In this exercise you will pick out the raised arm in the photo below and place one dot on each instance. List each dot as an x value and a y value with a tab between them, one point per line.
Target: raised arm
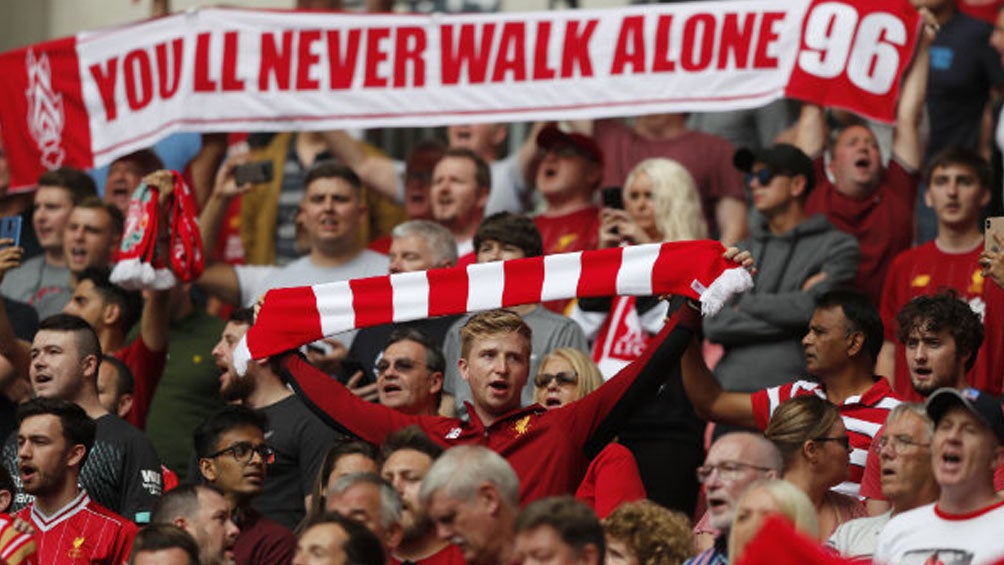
376	170
710	401
219	279
907	143
14	350
810	132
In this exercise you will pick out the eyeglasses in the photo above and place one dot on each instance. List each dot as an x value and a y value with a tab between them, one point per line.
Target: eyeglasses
727	470
901	443
242	452
542	380
402	365
844	441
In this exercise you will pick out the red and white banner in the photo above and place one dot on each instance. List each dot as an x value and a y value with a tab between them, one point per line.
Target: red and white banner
85	100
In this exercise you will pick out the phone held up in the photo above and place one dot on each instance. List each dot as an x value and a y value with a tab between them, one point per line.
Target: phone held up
994	225
10	228
613	197
254	173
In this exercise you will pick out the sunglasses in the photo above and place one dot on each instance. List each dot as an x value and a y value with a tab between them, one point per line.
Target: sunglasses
402	365
564	378
763	176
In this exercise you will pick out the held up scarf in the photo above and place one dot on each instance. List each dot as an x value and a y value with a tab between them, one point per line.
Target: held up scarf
291	317
139	266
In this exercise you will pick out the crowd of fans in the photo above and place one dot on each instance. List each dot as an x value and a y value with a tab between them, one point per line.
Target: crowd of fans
854	392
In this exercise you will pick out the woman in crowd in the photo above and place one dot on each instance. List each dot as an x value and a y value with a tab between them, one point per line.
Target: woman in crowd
566	375
766	498
810	434
343	458
661	203
644	533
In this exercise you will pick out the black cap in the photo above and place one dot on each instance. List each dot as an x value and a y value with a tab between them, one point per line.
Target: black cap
981	404
781	158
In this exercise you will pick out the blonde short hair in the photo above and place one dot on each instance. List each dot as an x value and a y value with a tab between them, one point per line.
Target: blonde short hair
589	374
493	322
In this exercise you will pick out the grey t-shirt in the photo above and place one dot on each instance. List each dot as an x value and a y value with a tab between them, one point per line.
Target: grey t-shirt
303	272
550	331
45	287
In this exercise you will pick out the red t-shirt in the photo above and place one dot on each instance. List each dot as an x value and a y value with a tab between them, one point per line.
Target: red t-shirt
567	233
863	417
707	157
611	480
882	224
147	368
81	532
926	270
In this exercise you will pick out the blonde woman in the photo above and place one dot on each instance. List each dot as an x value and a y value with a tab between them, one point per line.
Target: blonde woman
566	375
661	203
810	434
766	498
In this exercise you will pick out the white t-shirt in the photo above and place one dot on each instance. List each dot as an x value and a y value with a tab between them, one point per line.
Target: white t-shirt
858	538
927	535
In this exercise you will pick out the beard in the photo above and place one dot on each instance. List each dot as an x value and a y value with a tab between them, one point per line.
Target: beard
237	388
419	527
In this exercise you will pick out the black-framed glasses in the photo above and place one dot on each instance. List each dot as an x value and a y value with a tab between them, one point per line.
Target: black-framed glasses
844	441
727	470
242	452
542	380
901	443
401	365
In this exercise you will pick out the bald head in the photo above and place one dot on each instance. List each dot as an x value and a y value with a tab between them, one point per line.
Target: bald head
734	462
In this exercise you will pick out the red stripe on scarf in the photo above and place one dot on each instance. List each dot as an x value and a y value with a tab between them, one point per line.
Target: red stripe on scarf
599	272
373	301
291	319
448	290
523	281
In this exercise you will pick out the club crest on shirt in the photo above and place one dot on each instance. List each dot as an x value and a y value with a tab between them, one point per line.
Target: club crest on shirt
522	425
75	551
453	433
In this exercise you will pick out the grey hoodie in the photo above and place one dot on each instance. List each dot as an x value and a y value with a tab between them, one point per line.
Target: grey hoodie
762	329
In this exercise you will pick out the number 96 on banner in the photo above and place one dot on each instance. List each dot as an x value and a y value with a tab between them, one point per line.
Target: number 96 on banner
854	52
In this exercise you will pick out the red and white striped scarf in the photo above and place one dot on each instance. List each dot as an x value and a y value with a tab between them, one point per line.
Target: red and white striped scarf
291	317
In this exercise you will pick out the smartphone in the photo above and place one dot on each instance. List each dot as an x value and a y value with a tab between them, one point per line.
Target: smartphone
994	224
10	228
257	172
613	197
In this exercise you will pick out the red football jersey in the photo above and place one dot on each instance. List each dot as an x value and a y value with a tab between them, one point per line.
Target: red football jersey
81	532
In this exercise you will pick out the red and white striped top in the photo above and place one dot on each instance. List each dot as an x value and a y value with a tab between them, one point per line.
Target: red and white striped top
863	415
16	548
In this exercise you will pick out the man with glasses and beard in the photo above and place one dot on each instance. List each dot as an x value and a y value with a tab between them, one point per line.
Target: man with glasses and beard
233	458
297	436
